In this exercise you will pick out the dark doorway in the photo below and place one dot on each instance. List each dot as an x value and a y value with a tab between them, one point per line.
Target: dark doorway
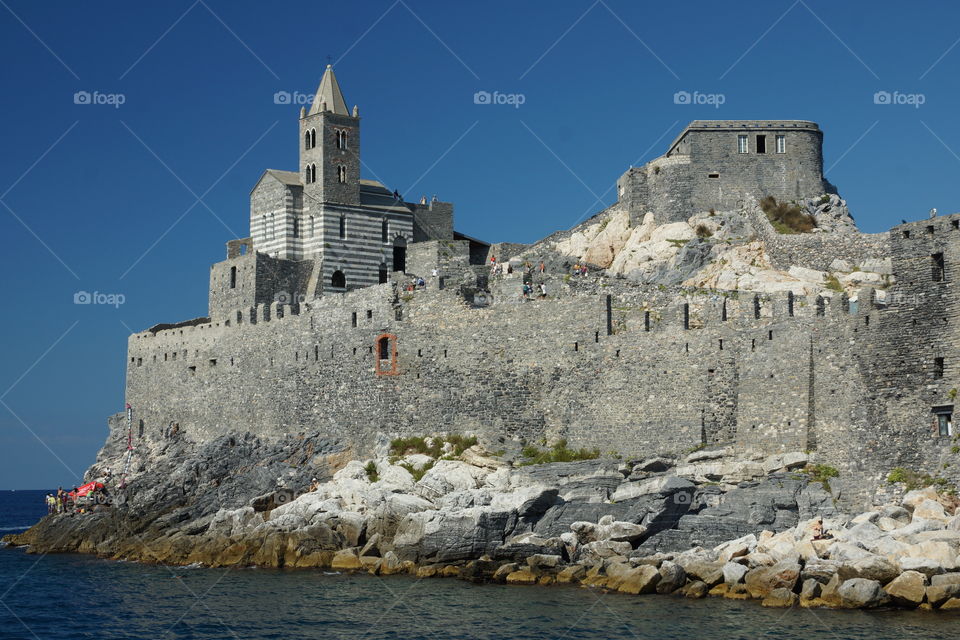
400	254
383	346
761	144
338	280
383	272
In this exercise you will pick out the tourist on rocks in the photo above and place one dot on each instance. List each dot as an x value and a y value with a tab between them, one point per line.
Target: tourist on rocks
434	273
543	267
51	503
543	291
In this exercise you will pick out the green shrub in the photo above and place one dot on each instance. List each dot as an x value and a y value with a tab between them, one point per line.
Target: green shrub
832	283
417	473
418	444
915	480
787	218
557	453
821	473
371	470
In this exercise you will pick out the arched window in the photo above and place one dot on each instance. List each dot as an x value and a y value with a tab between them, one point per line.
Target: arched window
313	138
306	139
306	175
344	134
383	231
383	348
343	227
338	280
342	174
313	173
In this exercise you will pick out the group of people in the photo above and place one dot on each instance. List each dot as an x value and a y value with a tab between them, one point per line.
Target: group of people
57	503
528	290
579	269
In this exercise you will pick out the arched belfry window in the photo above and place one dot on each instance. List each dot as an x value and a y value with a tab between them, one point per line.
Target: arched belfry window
385	352
313	173
338	280
313	138
306	139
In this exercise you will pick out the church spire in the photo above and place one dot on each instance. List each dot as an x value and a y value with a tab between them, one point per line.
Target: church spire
328	96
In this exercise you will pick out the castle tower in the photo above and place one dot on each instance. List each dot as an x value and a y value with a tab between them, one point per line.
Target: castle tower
330	147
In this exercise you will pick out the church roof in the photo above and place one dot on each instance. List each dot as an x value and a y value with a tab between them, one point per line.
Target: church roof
291	178
329	93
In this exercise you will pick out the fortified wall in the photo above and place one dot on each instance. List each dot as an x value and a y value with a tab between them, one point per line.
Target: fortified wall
629	369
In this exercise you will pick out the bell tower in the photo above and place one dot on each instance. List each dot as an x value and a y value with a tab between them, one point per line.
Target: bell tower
330	147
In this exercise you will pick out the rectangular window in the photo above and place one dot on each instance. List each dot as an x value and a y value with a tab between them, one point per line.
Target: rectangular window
761	144
944	417
781	144
233	277
939	267
742	145
938	367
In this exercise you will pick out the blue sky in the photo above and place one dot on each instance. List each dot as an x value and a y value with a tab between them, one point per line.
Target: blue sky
138	198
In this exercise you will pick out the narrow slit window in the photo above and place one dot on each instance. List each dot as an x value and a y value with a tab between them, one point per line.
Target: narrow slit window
939	267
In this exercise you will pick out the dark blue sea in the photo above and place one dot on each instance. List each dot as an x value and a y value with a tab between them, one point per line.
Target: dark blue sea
76	596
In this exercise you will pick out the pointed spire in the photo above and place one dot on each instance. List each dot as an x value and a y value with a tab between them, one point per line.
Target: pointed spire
328	95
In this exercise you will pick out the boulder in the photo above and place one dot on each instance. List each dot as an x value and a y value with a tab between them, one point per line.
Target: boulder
922	565
522	575
346	560
761	581
937	594
912	498
733	572
872	568
571	574
642	579
695	589
908	589
780	598
542	561
672	577
930	510
945	578
860	593
810	589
